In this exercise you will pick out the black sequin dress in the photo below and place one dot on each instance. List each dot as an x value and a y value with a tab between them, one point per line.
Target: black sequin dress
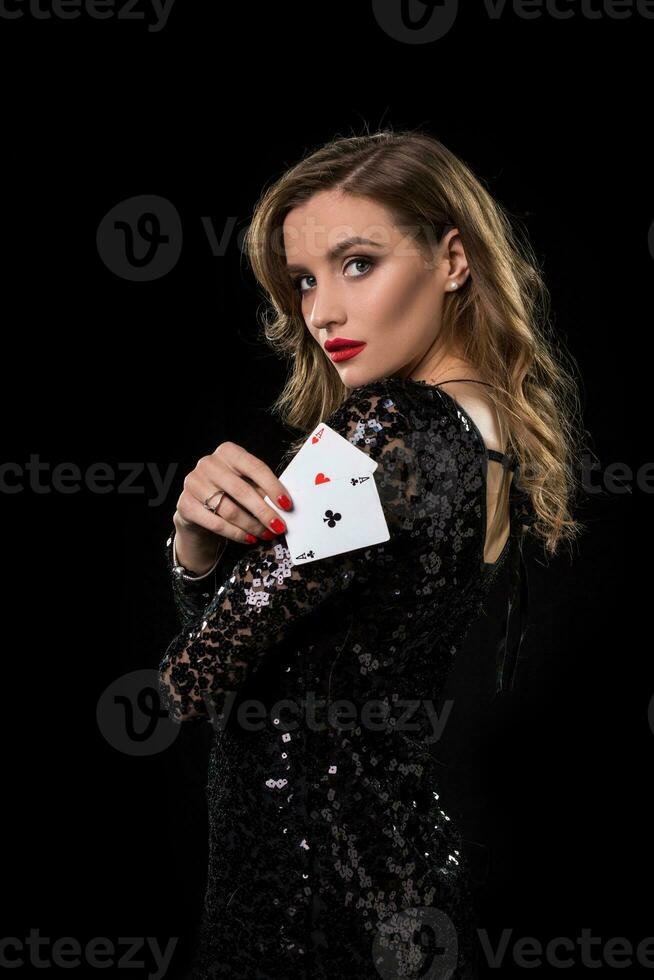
330	853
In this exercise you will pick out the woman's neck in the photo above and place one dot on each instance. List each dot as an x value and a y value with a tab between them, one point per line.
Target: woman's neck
443	369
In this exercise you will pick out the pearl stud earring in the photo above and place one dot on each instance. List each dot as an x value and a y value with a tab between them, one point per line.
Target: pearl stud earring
454	285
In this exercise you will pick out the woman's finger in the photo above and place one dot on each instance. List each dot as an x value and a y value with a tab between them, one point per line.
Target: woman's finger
229	521
235	470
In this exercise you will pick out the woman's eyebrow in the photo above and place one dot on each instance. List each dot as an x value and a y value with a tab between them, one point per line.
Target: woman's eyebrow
338	248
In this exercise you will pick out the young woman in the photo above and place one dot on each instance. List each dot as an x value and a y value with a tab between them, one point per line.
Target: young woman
332	854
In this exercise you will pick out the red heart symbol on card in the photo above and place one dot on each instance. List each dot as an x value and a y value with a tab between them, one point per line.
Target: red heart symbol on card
321	478
315	440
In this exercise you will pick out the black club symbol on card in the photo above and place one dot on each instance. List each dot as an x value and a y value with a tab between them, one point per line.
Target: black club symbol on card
331	518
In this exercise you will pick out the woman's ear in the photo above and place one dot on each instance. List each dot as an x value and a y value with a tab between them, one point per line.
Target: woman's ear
455	257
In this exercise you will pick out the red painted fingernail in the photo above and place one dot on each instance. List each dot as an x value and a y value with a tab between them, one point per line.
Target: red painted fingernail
278	526
284	502
250	538
267	535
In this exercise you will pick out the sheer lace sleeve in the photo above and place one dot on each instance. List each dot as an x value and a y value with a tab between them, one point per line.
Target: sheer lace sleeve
264	595
191	596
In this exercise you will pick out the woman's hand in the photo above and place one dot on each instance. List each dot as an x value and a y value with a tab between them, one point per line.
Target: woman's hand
242	513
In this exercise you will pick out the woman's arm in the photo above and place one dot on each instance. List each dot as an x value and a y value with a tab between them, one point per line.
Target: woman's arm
192	595
264	595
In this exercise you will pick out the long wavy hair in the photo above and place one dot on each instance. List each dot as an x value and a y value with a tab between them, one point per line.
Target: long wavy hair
499	319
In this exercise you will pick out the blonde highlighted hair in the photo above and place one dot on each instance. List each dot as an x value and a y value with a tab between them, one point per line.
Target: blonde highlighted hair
499	319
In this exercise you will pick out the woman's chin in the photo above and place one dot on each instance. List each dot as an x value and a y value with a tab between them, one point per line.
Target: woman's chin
356	378
355	375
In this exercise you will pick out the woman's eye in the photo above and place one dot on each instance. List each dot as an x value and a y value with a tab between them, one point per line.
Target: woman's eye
298	281
365	262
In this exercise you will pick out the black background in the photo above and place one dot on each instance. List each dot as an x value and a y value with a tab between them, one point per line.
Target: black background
555	116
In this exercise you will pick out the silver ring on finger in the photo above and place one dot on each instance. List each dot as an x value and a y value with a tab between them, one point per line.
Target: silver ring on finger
221	494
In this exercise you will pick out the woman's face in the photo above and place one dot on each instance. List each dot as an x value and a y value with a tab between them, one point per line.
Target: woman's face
388	296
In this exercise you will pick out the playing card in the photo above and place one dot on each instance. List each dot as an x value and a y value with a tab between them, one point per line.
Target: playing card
325	445
335	516
325	455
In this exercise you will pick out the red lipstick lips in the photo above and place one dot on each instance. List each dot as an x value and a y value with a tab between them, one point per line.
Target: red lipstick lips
341	342
342	349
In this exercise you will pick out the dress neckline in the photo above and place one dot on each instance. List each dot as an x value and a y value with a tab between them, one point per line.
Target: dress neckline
519	586
507	460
